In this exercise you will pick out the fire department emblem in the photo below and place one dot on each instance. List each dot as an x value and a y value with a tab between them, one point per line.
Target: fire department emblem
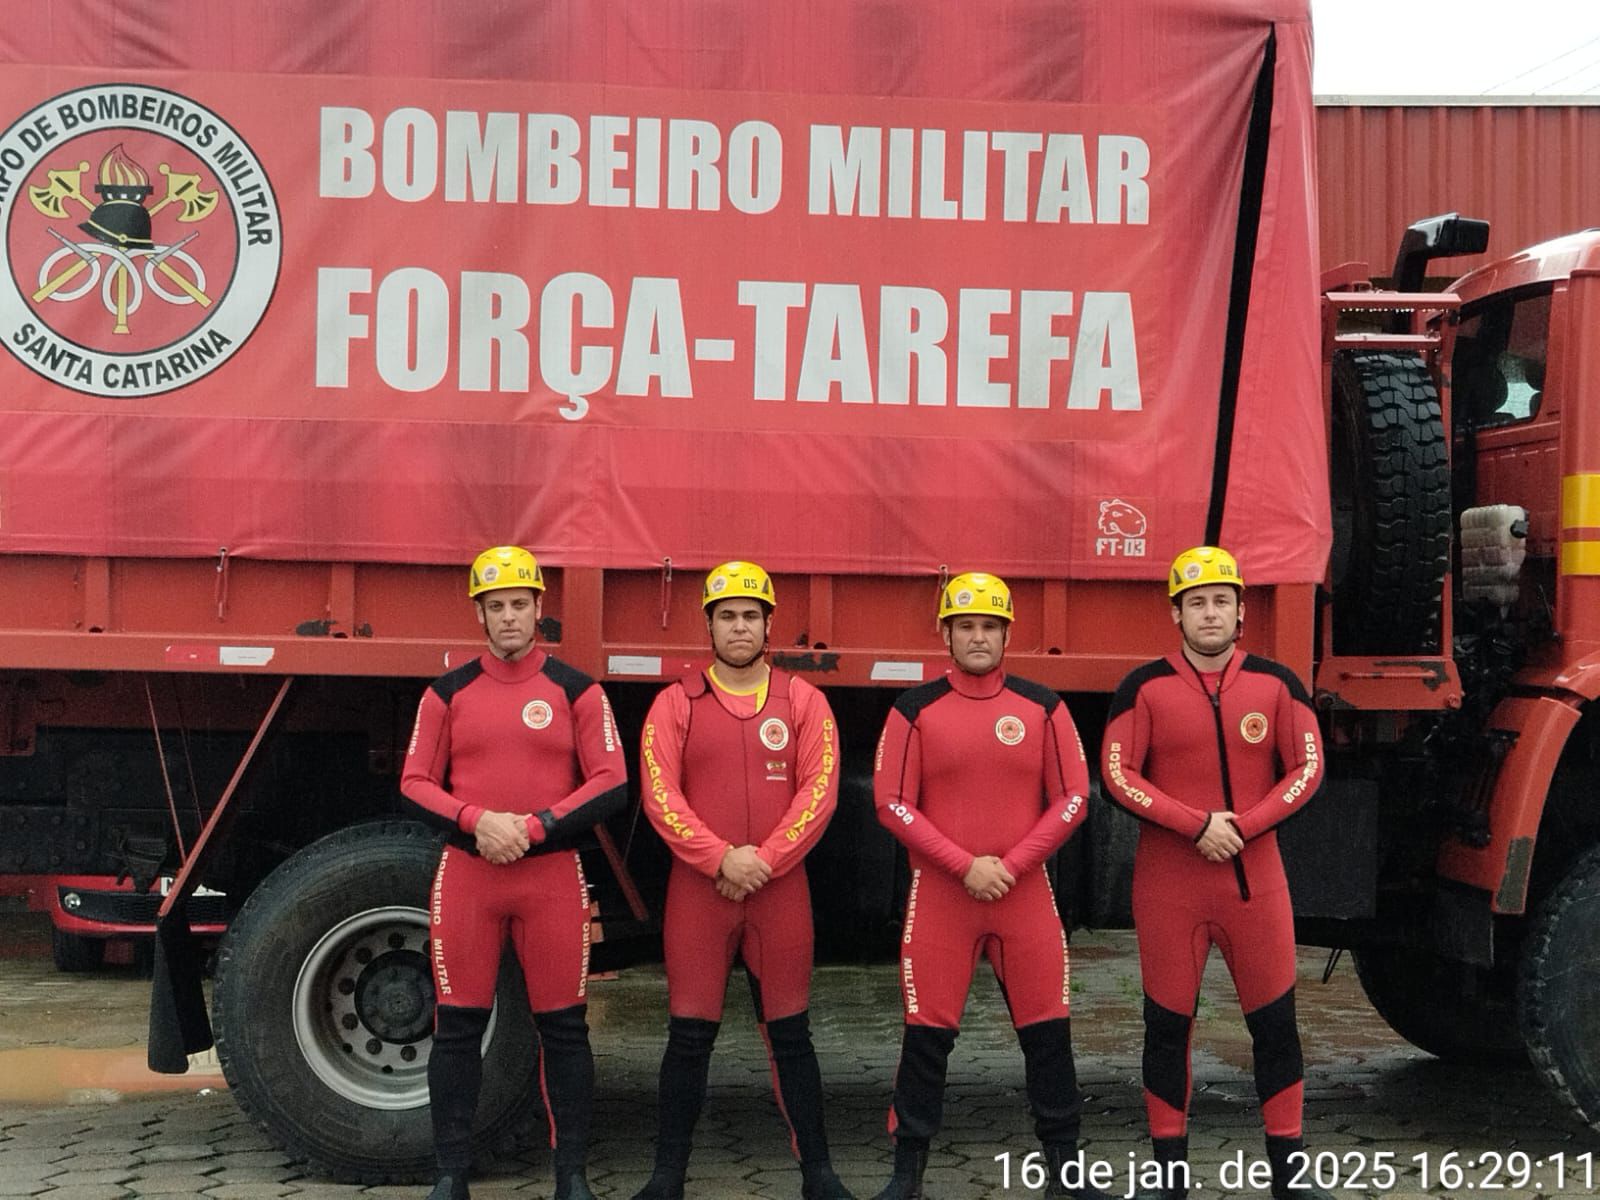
142	240
1253	728
536	714
774	734
1010	730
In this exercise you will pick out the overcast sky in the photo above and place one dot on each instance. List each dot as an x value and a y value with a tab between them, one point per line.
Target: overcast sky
1457	47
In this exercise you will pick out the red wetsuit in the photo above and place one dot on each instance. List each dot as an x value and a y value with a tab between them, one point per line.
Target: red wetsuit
535	738
970	766
718	773
1169	734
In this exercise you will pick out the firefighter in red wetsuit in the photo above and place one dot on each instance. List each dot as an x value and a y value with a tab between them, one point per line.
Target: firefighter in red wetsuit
1212	748
982	776
739	764
515	754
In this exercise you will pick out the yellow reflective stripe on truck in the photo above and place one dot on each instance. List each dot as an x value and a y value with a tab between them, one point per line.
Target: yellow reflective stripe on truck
1580	502
1580	558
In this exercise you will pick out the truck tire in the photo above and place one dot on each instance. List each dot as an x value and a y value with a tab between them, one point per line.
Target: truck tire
323	1011
1390	479
1453	1010
74	954
1560	979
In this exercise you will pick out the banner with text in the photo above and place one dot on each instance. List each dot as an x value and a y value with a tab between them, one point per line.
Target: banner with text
391	318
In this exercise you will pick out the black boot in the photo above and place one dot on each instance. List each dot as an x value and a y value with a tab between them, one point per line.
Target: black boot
682	1094
665	1183
572	1184
1173	1155
794	1062
1280	1153
818	1182
1051	1076
567	1065
1056	1156
450	1187
455	1075
910	1161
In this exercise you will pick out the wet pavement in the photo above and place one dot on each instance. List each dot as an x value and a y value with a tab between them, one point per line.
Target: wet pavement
81	1120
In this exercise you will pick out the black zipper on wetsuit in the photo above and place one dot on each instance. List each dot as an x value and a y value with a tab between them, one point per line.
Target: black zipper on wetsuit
1222	755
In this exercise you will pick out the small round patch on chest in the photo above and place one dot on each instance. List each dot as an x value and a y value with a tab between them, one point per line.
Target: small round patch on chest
774	734
1010	730
1253	727
536	714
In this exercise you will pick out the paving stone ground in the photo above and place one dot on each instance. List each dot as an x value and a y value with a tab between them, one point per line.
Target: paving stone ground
1371	1099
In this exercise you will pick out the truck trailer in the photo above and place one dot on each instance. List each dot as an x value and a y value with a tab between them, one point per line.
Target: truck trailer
304	305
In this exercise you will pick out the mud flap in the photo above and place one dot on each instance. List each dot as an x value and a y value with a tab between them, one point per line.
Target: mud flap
1330	851
179	1025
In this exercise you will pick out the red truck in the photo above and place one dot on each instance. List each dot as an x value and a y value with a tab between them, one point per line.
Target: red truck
305	305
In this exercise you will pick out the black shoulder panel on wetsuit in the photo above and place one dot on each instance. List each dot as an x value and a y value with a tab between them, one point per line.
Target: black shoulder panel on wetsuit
910	704
1037	692
569	679
1265	666
448	684
1128	690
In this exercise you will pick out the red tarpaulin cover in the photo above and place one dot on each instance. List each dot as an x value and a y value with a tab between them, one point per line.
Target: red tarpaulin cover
839	286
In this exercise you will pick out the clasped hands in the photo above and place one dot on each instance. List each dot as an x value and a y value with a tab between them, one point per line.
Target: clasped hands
742	872
1220	839
503	837
987	878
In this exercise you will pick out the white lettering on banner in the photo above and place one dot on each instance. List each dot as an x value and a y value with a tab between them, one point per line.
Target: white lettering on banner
621	159
347	169
836	347
914	322
593	370
653	341
337	325
977	345
856	172
581	350
553	173
614	160
494	311
417	359
480	156
410	154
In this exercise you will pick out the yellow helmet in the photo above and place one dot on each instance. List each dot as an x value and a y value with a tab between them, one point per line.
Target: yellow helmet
738	579
504	567
1200	566
975	593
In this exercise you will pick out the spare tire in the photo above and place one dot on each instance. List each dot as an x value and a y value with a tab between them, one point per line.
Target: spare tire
323	1011
1390	474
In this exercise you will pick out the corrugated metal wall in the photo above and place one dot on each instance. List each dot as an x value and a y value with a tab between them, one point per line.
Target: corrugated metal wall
1532	170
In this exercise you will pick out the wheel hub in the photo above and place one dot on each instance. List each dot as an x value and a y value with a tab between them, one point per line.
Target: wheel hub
394	997
363	1008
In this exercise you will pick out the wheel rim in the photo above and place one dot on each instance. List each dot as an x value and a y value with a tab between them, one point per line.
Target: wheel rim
363	1008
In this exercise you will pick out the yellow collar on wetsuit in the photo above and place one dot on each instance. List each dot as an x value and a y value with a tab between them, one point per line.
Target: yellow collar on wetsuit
759	691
